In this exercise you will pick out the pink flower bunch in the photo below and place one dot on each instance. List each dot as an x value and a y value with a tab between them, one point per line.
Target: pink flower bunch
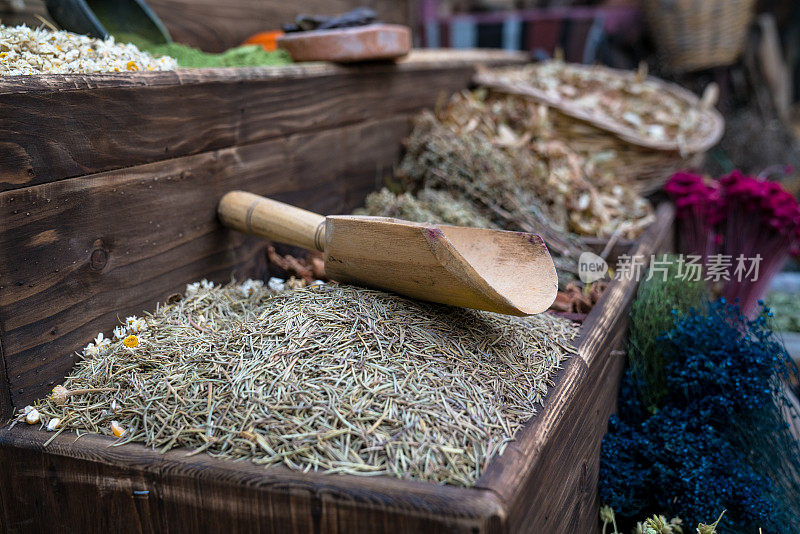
738	216
697	206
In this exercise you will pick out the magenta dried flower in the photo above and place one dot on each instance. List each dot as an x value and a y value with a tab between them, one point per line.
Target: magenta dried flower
737	216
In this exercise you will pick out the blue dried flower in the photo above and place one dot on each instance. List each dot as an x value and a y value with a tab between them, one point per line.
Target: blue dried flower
719	441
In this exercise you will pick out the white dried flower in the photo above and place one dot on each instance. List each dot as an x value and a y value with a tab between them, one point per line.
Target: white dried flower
120	332
248	288
276	284
192	289
137	326
26	50
53	423
100	345
91	351
101	340
32	417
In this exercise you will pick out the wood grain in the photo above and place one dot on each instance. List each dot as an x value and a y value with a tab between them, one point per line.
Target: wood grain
96	488
29	14
58	126
6	405
77	254
548	476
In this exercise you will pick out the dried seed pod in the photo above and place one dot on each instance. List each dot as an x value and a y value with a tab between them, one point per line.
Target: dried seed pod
60	394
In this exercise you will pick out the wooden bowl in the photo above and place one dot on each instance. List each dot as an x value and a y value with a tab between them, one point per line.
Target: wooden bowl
349	45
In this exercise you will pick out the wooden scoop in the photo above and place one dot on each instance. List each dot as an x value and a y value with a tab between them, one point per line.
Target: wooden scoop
493	270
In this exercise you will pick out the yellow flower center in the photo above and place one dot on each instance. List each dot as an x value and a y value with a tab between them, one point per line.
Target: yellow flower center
131	342
132	65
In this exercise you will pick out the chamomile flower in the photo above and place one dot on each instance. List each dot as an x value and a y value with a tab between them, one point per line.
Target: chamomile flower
248	288
91	351
135	324
131	342
120	332
192	289
101	340
276	284
98	347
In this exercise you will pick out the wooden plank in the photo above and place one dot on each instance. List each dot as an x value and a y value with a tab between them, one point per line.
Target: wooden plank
141	490
78	253
548	476
6	405
59	126
24	12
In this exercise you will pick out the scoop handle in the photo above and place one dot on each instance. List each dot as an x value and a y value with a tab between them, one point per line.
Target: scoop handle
273	220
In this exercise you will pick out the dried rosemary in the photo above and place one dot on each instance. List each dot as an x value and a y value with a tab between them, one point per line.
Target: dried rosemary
327	377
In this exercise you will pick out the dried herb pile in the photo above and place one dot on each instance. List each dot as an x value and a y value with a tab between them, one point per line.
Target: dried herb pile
428	205
624	101
26	50
326	377
498	154
786	307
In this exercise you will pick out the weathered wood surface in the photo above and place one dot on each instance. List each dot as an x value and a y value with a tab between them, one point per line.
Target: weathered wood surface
544	482
27	12
88	486
78	253
54	127
548	476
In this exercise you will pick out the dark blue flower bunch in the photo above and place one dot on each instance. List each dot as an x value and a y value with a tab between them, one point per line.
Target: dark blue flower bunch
719	440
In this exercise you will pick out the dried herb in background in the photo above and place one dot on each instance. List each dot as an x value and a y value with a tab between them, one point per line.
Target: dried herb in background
651	316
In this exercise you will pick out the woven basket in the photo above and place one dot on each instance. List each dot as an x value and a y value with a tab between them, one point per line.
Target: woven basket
646	165
698	34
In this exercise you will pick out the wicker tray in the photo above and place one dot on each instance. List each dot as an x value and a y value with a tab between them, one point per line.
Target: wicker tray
646	162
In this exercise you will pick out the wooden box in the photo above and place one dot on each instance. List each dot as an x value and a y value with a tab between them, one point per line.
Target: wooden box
108	186
108	183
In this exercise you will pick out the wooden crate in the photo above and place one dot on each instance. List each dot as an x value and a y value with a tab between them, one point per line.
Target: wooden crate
108	183
546	481
108	186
